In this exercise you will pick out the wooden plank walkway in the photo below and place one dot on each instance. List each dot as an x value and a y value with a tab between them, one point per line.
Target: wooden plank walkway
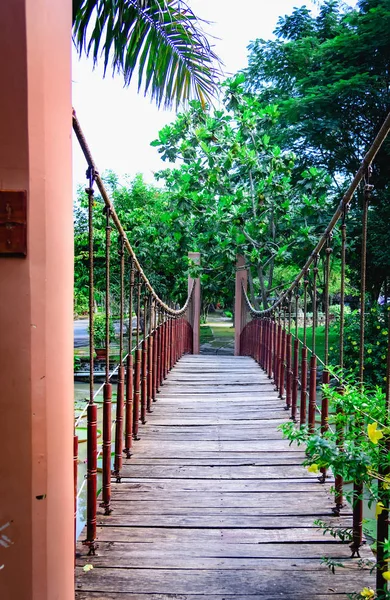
214	503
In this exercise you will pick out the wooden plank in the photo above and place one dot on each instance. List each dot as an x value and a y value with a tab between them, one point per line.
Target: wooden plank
233	581
240	485
128	596
178	561
214	504
218	549
187	535
215	472
259	521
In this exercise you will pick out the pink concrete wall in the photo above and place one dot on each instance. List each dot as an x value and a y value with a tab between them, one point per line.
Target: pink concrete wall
36	320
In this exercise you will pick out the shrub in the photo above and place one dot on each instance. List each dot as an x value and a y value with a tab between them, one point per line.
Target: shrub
375	345
99	326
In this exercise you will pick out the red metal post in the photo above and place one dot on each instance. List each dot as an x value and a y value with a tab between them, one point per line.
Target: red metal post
75	469
150	371
295	382
137	393
282	364
155	363
119	424
106	492
144	384
129	405
312	393
241	282
91	476
289	378
302	416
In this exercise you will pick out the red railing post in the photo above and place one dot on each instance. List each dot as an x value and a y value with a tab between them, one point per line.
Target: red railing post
106	459
129	405
312	393
155	363
295	382
119	424
289	377
194	314
150	370
144	382
75	470
282	364
302	416
91	476
241	283
137	393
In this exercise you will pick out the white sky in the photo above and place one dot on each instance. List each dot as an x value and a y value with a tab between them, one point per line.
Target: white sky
119	123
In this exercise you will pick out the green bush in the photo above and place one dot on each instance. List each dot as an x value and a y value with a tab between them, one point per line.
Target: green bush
375	345
99	334
335	310
81	304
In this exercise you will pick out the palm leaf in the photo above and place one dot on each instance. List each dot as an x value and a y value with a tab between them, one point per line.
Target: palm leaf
162	39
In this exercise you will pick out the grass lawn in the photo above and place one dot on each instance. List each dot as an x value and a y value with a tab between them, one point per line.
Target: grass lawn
320	339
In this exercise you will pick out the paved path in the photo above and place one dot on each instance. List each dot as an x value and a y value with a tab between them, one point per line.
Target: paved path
214	504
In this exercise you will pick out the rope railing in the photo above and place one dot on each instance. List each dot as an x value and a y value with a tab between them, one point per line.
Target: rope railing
158	334
292	361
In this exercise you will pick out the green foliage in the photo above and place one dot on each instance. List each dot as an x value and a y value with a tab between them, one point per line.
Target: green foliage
162	39
344	534
81	301
329	76
99	331
335	311
76	363
157	233
354	411
235	188
375	345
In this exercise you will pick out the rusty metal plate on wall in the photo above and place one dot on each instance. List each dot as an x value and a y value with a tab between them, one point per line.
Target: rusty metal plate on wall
13	223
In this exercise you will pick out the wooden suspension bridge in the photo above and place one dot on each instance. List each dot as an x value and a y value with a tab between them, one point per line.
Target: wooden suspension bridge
204	498
215	504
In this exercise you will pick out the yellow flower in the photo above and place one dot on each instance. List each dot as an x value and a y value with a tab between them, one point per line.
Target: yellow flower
384	332
313	468
373	433
386	575
383	357
378	326
367	593
379	509
378	343
354	343
87	568
369	351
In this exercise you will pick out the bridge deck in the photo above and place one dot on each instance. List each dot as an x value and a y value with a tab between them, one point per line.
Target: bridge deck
214	503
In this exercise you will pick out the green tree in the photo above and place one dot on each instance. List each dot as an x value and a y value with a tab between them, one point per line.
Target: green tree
238	191
329	75
162	38
155	231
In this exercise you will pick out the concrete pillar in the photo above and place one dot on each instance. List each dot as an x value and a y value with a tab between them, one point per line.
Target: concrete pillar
196	300
36	304
239	321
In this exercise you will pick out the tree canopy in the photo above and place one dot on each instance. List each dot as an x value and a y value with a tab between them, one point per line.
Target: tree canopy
329	75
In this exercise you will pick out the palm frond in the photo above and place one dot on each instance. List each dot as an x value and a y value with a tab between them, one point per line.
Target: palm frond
163	39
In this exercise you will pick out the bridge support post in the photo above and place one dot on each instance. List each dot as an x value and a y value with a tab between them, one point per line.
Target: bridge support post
195	312
239	307
36	306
